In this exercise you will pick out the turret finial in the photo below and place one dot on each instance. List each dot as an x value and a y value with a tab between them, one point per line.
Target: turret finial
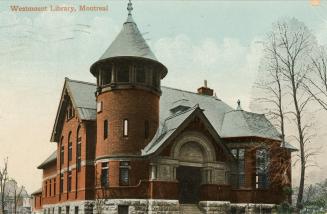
129	7
239	105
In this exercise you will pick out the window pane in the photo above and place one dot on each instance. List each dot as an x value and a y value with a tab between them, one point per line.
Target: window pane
105	129
140	74
123	73
106	75
125	127
124	176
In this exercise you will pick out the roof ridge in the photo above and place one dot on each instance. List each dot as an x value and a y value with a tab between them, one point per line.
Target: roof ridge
191	92
80	81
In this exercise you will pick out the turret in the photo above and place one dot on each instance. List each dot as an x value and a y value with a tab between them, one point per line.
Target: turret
128	92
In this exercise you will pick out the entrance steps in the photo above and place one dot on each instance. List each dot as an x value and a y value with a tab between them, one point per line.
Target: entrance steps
190	209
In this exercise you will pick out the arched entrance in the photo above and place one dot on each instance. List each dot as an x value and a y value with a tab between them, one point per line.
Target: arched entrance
192	154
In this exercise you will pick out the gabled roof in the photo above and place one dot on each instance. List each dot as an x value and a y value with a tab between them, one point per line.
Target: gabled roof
240	123
226	121
38	191
50	159
82	95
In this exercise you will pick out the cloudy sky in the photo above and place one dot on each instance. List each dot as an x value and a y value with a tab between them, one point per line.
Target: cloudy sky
215	40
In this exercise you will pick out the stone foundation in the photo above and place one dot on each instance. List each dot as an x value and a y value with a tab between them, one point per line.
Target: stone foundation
215	207
152	206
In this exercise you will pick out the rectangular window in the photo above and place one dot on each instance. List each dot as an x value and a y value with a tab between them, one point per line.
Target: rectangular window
140	74
238	176
122	209
155	79
106	75
67	209
76	210
146	129
124	173
69	182
59	210
125	128
70	149
123	73
46	189
50	189
61	182
105	129
262	166
54	187
104	174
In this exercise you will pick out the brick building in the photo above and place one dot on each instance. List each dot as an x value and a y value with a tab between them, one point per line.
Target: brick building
129	145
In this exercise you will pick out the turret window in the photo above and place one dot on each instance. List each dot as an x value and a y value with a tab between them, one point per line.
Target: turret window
140	74
106	75
125	128
123	73
155	81
105	129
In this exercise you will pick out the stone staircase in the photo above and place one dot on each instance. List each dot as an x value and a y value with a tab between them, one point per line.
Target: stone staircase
190	209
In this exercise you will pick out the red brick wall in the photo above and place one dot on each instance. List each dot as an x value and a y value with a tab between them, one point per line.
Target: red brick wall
134	105
37	202
274	192
82	183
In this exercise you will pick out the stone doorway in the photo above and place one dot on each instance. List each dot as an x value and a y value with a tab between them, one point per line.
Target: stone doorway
189	179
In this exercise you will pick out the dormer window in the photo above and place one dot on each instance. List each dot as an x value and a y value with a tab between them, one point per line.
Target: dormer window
123	73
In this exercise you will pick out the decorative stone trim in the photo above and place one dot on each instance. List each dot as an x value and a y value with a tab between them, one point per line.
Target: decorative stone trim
216	207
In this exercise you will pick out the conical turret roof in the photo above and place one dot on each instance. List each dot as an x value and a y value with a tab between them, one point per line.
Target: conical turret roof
129	43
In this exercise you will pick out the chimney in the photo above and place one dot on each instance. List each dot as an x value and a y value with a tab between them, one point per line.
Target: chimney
204	90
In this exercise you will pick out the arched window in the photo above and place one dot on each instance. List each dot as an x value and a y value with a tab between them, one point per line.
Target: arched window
62	151
105	129
78	149
262	166
70	146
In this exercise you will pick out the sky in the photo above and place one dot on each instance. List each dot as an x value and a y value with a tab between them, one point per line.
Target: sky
220	41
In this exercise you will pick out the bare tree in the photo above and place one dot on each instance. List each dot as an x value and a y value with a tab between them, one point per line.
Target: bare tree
287	64
316	84
3	182
16	193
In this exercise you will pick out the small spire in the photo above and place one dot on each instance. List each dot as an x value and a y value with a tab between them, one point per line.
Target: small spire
239	105
129	8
